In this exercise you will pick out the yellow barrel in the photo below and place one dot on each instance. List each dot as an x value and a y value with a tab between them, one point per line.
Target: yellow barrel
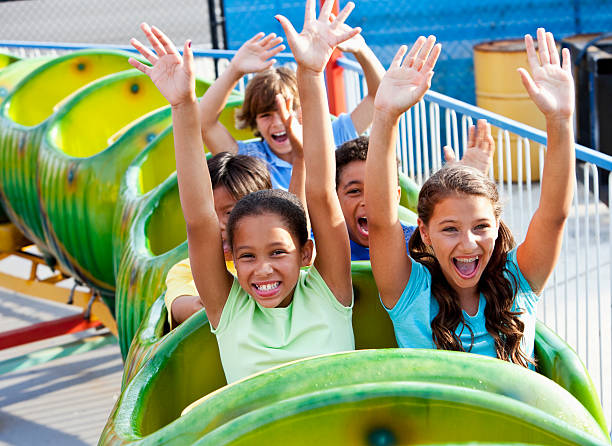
500	90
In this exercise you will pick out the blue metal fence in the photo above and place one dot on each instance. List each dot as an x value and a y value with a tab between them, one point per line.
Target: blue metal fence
459	25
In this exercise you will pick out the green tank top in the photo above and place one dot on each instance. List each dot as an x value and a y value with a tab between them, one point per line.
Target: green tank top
252	338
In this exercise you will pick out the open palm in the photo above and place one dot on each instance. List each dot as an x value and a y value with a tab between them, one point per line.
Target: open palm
404	84
172	74
313	47
551	87
256	54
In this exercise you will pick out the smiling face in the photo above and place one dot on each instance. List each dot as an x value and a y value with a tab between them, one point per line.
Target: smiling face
224	203
462	232
268	258
352	201
271	128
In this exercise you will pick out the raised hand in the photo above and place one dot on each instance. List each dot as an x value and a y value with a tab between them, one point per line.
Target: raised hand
551	87
480	148
256	54
404	84
173	75
313	47
291	123
352	45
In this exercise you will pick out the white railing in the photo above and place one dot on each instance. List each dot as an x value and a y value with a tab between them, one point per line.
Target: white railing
577	301
585	266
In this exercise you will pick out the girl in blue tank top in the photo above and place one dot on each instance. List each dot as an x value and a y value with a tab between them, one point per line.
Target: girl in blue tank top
464	285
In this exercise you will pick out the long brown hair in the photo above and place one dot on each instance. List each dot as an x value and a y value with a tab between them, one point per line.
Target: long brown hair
501	322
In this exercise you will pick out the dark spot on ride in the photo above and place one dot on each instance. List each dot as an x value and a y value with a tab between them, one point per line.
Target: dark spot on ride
135	88
150	137
81	66
381	437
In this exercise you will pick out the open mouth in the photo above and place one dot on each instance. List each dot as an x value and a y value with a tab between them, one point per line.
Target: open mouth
362	226
266	289
279	137
466	266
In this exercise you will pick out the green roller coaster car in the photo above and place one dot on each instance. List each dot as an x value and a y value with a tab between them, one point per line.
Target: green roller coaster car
407	396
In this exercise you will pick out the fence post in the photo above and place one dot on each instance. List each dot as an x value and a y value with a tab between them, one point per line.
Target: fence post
334	79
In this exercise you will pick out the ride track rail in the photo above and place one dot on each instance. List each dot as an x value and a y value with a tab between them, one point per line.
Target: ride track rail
585	266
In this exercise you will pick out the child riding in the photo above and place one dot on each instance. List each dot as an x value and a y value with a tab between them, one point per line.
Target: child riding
272	312
464	286
260	113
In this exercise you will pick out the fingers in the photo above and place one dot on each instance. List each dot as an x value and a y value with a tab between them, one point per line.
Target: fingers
255	38
471	136
188	56
343	15
310	12
326	10
552	49
288	28
153	40
449	154
143	50
165	41
348	34
432	58
411	56
484	140
282	108
397	59
532	58
424	53
139	65
528	83
566	65
543	47
268	55
265	42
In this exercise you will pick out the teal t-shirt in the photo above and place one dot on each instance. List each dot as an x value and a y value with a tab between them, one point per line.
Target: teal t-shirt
252	338
416	308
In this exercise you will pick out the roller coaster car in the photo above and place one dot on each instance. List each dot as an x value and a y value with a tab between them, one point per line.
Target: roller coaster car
379	396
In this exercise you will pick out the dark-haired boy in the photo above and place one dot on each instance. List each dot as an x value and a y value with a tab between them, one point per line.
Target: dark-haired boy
260	113
350	179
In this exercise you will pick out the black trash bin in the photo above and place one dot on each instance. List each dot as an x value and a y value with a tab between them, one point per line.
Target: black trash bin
592	68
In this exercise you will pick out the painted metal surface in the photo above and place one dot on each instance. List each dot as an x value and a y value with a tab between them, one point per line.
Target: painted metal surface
185	364
24	116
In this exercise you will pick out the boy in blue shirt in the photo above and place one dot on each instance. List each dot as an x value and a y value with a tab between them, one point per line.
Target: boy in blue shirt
350	178
260	113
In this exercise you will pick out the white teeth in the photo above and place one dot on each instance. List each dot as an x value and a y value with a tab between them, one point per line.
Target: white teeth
467	260
267	286
279	134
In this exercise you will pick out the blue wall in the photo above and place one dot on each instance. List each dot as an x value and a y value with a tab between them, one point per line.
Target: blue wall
458	24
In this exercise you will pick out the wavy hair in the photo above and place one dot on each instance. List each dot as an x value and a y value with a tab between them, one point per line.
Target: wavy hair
501	322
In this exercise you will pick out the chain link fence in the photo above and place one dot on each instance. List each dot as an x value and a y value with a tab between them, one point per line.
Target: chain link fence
103	22
459	25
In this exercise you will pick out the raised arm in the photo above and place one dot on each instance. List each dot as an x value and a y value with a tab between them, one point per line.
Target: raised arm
175	78
403	85
480	148
253	56
373	71
312	49
552	90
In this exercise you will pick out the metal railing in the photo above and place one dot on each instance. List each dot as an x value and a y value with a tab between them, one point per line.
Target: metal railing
577	302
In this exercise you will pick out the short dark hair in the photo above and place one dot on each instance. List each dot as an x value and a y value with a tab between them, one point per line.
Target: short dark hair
239	174
271	201
353	150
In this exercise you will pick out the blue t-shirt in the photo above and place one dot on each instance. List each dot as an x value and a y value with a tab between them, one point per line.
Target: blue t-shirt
416	308
359	252
280	170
